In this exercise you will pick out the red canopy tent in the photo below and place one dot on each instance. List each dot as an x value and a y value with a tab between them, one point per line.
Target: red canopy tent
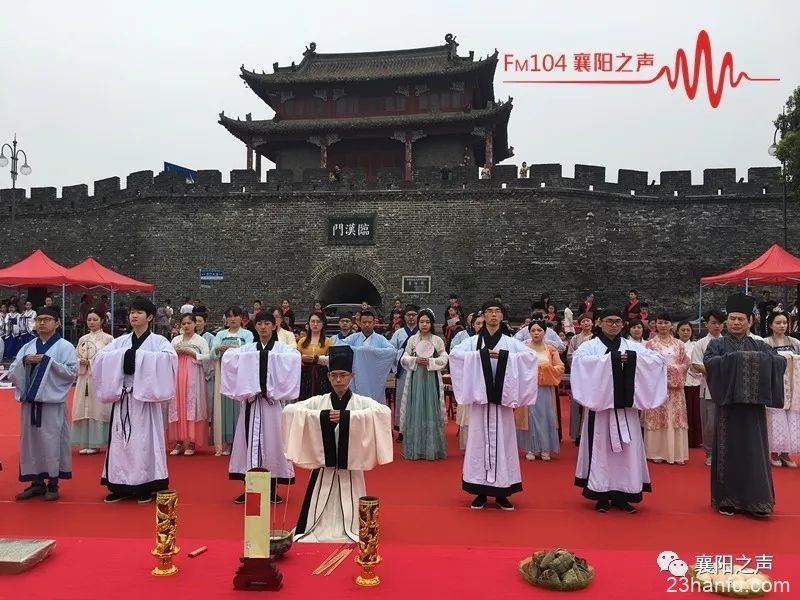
775	267
36	270
90	274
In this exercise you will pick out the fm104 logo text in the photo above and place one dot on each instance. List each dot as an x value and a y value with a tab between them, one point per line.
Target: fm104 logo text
637	68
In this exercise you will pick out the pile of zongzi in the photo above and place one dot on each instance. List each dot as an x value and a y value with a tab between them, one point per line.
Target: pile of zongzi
557	569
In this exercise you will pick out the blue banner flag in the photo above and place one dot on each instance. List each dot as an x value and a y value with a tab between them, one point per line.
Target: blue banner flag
188	173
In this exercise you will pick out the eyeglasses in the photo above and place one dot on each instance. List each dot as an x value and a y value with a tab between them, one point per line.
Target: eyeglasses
44	319
613	322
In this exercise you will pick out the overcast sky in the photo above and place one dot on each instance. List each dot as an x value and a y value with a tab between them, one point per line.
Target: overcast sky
96	89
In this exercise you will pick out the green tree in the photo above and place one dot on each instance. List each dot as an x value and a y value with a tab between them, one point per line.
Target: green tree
788	147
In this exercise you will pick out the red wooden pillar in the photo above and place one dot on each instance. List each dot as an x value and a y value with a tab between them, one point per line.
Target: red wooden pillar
489	149
409	158
323	156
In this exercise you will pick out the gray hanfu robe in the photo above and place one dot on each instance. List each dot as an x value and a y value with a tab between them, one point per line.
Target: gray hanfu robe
745	376
42	390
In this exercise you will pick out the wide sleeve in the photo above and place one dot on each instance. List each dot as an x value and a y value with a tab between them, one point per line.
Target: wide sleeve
676	372
467	377
17	374
370	437
650	381
591	381
156	374
284	375
440	362
407	359
203	351
302	435
239	374
63	365
552	372
525	370
107	375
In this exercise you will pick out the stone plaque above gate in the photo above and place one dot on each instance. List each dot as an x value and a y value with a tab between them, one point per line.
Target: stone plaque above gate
352	229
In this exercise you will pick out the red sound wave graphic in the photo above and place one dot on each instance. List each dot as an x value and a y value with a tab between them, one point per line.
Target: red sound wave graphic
682	74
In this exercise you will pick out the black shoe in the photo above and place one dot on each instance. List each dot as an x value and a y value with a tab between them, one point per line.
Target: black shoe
760	515
52	492
726	510
276	499
625	507
112	498
503	504
35	489
578	441
399	439
602	506
239	499
144	498
478	503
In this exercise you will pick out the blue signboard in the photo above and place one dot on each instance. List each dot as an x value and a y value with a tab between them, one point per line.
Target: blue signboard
207	275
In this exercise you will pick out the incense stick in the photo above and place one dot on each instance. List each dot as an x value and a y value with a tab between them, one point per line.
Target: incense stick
335	565
327	562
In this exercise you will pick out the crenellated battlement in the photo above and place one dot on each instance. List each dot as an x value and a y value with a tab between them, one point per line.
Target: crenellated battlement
587	179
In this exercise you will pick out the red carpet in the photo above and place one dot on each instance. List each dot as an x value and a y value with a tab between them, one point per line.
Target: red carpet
430	538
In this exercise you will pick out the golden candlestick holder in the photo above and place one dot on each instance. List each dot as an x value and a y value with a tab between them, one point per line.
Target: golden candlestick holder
166	528
368	557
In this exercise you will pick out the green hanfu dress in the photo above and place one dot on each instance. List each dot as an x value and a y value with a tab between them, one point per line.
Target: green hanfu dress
422	409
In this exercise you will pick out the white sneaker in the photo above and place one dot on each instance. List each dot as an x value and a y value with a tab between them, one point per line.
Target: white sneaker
189	452
226	453
178	450
545	456
91	451
530	456
84	451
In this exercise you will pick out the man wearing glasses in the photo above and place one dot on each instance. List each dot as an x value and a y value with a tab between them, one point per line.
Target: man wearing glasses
43	373
615	378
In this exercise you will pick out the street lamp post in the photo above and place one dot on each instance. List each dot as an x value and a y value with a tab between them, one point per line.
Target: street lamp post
25	169
773	151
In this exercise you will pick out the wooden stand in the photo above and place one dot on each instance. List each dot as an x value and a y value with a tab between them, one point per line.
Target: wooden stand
257	575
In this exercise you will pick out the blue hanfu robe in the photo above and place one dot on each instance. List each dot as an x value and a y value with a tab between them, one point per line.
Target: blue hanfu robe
399	341
42	390
373	359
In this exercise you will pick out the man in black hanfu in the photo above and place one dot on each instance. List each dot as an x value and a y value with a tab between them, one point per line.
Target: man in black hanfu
745	376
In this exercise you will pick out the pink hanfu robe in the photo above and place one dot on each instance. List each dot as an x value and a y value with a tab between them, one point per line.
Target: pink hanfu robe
188	413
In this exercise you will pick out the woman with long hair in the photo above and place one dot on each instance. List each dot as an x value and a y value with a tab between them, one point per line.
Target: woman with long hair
783	424
422	410
313	345
90	417
692	388
188	411
537	431
226	410
666	428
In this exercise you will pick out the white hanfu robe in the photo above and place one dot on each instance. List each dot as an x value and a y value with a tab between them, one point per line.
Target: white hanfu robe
136	459
261	378
338	454
491	461
42	391
373	359
612	465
